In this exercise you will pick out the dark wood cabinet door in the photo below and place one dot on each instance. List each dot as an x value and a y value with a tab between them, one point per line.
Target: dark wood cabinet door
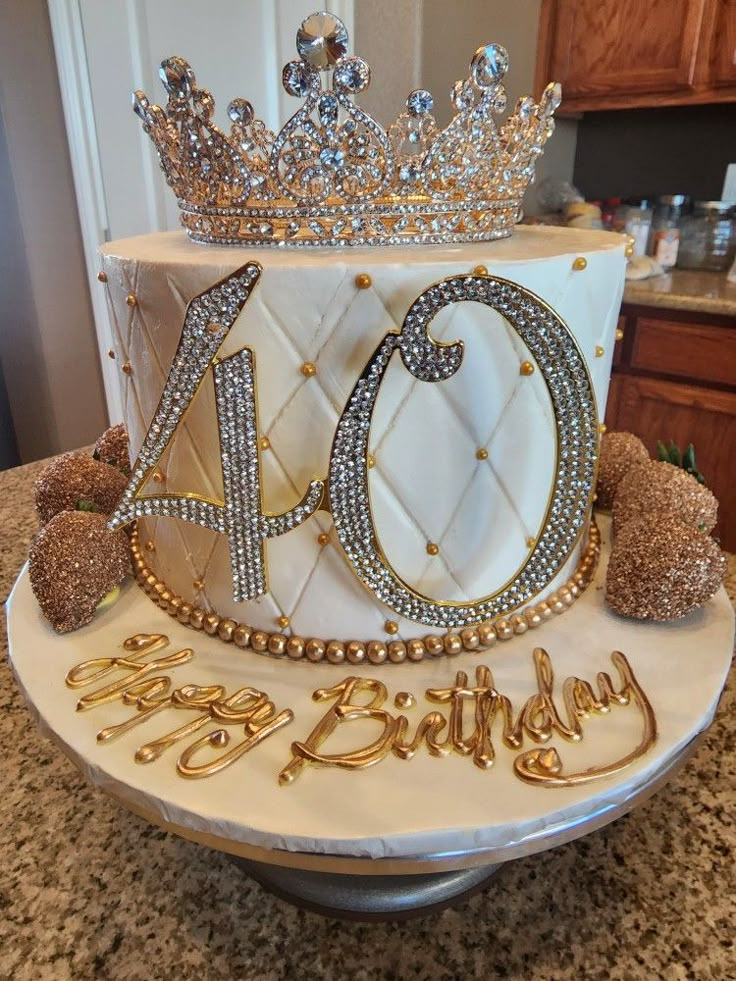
655	409
722	60
601	49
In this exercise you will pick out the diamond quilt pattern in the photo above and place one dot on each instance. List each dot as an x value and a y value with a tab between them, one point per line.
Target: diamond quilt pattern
427	484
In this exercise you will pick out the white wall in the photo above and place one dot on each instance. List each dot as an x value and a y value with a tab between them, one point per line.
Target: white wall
47	340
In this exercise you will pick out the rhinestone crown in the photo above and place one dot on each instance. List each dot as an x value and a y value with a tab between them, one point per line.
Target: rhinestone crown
333	175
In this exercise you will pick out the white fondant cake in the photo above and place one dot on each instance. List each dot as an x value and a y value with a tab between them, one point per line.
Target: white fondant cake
465	465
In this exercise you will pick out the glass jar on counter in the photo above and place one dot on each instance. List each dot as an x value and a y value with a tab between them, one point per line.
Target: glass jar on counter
636	220
707	238
665	238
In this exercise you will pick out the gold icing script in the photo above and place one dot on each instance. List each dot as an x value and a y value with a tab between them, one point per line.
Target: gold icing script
539	718
150	692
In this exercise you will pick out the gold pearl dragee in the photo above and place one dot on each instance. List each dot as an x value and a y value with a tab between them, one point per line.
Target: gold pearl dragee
157	477
111	354
371	461
602	427
526	368
432	549
126	369
131	300
531	542
480	271
470	639
580	263
323	539
599	351
481	453
309	369
363	281
102	276
265	443
619	334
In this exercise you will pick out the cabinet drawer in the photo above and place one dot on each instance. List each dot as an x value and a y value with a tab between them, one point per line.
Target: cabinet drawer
696	351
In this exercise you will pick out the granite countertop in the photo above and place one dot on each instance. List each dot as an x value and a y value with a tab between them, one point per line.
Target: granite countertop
89	891
685	289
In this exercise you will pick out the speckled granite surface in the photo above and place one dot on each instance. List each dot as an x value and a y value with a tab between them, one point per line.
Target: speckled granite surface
88	891
685	289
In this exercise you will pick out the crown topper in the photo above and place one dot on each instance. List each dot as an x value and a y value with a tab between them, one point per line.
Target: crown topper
333	175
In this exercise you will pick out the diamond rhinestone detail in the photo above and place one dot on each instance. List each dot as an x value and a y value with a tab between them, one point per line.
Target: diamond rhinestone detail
571	391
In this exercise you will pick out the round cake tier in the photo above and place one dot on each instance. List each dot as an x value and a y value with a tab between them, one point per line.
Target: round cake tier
461	471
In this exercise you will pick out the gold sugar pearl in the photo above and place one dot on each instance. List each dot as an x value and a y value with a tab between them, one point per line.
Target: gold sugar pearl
258	640
315	649
377	652
432	549
198	584
415	650
397	651
241	635
371	461
531	542
131	300
335	652
504	630
481	454
211	623
452	644
277	645
127	369
526	368
391	627
157	476
265	443
480	271
487	634
599	351
226	629
619	334
149	546
283	622
102	276
309	369
580	263
601	427
323	539
295	647
111	354
519	624
355	652
470	638
404	700
363	281
434	645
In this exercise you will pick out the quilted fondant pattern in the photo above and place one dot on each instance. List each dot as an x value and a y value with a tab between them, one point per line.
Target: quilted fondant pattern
428	485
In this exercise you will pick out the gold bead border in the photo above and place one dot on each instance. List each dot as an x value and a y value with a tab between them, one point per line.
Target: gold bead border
314	649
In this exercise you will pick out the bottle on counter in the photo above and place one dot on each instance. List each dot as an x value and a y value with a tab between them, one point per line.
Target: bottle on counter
665	237
636	220
707	237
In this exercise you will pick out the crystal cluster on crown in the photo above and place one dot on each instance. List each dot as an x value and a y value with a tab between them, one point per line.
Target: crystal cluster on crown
333	175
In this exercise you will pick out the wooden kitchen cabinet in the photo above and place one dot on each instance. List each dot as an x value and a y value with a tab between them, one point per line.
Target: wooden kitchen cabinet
674	377
617	54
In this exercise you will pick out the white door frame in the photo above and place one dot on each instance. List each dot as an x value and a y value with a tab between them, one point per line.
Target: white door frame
76	96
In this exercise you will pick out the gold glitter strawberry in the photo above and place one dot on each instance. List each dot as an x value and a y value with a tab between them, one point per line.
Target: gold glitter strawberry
662	569
74	480
74	563
660	491
619	453
113	448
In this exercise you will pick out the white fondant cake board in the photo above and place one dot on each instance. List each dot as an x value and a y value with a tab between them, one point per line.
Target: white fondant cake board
398	810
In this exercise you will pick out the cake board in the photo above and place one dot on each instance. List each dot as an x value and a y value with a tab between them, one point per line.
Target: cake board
403	835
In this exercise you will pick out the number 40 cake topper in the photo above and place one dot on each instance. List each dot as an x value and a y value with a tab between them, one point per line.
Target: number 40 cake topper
345	493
